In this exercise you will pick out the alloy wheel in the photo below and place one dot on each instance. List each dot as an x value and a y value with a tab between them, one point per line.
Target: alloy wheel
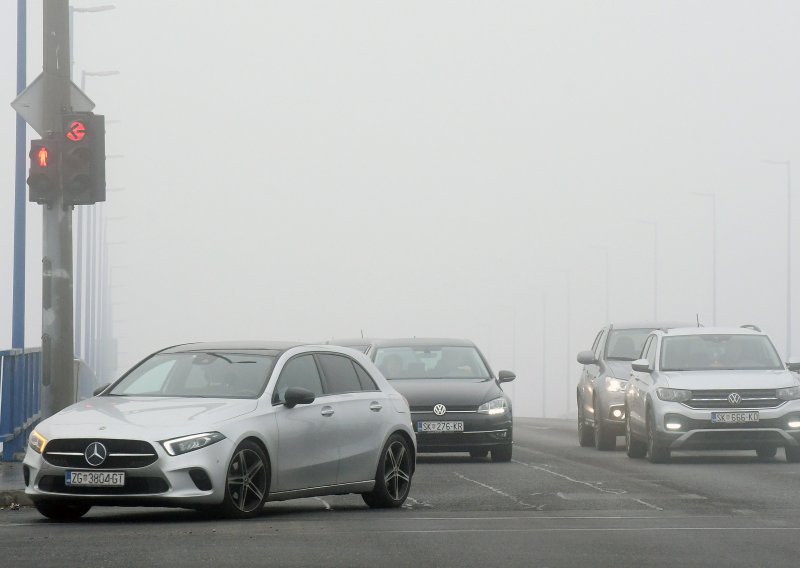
397	470
247	480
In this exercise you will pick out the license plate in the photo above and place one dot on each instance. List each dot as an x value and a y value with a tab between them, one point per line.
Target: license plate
94	478
733	417
448	426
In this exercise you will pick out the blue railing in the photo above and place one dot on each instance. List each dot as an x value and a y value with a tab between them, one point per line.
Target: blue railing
20	402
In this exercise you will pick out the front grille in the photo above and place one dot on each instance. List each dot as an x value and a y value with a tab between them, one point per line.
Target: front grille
122	454
733	439
454	408
133	486
705	399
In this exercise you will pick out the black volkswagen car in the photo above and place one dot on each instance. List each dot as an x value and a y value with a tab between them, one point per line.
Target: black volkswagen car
457	403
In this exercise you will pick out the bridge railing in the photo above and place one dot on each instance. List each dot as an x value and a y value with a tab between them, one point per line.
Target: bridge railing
20	398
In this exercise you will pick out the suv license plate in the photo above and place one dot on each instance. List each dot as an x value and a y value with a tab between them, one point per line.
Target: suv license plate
94	478
444	426
733	417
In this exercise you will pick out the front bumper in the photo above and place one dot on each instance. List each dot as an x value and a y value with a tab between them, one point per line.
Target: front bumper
611	411
697	432
193	479
481	431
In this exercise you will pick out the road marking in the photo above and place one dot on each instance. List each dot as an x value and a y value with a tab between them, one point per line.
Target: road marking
500	492
324	502
646	504
568	478
420	503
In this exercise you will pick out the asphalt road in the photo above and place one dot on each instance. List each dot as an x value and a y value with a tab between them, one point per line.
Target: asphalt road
555	504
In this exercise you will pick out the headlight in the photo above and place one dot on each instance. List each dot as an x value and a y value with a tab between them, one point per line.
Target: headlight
791	393
37	442
496	406
674	395
178	446
615	385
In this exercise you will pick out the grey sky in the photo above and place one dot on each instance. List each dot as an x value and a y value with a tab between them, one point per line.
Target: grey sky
303	170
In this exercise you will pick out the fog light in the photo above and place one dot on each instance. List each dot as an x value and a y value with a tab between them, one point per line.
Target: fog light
794	423
673	425
618	414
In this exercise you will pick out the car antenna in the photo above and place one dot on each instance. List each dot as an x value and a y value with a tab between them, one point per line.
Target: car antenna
696	315
362	334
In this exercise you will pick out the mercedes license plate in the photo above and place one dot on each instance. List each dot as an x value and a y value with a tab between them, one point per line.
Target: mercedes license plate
94	478
733	417
444	426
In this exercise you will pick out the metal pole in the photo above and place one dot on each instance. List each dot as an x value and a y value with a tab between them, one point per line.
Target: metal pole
788	260
544	355
569	317
655	272
714	259
58	385
18	292
608	288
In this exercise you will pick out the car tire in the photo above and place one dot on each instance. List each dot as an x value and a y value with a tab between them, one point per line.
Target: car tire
502	453
765	452
393	476
656	452
792	454
634	448
62	510
603	439
585	432
247	482
478	453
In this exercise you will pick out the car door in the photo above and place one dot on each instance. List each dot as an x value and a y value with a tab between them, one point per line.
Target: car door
308	434
640	384
361	410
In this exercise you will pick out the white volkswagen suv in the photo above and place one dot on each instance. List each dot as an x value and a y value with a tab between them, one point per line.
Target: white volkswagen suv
712	388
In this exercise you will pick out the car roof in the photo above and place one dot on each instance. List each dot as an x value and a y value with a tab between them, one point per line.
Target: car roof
269	347
421	342
713	331
350	341
652	325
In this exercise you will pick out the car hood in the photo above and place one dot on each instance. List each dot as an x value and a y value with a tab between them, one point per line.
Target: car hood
455	392
114	416
727	380
619	369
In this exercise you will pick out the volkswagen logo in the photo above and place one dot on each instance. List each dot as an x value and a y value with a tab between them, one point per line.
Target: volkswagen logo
95	454
735	399
439	410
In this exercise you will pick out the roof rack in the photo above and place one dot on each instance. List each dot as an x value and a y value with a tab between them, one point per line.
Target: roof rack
751	326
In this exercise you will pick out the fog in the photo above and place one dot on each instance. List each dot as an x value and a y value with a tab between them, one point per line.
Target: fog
310	170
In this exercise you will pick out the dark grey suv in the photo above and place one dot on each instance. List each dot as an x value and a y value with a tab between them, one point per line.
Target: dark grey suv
604	378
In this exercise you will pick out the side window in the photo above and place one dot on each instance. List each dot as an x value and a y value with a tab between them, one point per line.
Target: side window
366	381
298	372
340	375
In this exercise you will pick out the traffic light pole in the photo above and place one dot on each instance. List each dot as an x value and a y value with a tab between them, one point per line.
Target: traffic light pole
58	383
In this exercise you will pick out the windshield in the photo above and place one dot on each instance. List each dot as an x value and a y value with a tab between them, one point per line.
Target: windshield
439	362
201	374
625	344
718	352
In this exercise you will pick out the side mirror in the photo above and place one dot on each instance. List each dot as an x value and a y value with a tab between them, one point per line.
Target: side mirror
98	390
793	366
506	376
642	366
297	395
587	358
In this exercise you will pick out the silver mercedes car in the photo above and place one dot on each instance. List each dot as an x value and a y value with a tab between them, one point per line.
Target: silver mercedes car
711	388
227	427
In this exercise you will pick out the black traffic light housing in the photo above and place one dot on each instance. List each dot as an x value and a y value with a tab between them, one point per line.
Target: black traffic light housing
44	177
83	158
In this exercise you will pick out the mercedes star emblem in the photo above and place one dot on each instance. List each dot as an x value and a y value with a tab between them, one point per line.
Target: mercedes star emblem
735	399
439	410
95	454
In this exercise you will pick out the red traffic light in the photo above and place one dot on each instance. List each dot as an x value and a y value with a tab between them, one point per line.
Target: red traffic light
76	130
43	156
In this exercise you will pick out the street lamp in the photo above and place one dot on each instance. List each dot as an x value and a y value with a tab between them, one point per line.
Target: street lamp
655	266
788	165
713	197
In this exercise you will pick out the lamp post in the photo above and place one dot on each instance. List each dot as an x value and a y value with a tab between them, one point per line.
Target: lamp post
655	266
788	165
544	354
713	197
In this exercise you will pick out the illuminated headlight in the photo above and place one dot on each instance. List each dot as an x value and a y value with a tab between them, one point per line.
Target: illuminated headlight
496	406
794	423
178	446
37	442
674	395
673	425
615	385
791	393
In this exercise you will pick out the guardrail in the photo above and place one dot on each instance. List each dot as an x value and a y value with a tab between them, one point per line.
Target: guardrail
20	400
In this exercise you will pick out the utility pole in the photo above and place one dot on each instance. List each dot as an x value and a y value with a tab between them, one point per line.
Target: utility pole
58	384
20	203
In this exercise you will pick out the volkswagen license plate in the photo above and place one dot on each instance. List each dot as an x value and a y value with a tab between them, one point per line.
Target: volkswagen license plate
733	417
94	478
444	426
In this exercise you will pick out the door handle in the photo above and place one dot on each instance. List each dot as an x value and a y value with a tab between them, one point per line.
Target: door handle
327	411
375	406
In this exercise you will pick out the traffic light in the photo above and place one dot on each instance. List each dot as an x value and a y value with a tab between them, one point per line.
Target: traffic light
44	180
83	163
